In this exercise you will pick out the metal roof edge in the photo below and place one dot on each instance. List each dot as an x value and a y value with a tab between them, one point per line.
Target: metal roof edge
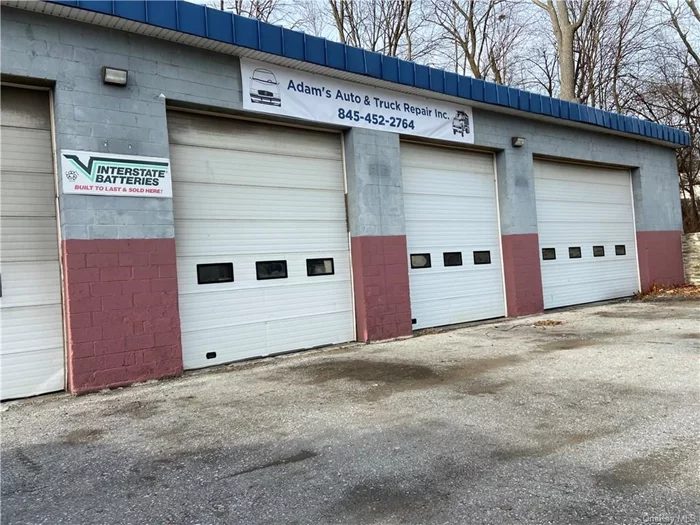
202	22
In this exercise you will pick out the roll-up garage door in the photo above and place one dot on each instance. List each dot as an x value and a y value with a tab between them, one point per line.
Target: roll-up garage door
30	298
452	235
585	221
261	237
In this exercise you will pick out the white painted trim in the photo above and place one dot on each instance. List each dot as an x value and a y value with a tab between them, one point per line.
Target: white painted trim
636	239
61	269
500	236
347	222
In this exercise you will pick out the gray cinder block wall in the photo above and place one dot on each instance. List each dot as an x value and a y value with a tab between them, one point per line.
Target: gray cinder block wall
92	116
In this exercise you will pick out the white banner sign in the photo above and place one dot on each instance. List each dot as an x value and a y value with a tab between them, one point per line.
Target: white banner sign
279	90
92	173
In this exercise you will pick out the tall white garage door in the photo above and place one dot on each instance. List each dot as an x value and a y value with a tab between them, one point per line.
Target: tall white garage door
261	236
31	348
585	221
452	234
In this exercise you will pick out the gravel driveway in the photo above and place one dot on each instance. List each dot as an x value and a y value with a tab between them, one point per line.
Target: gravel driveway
592	421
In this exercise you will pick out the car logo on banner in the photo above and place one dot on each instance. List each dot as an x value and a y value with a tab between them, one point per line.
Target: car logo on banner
94	173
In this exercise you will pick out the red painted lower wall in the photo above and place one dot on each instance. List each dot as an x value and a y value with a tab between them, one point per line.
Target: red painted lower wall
123	324
523	277
660	258
380	275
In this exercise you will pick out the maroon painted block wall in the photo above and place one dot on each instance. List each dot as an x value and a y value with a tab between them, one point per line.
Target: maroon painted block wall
523	277
660	258
122	319
380	276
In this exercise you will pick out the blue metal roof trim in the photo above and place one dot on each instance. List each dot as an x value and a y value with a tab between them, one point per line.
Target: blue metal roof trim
293	44
373	63
315	50
192	18
219	25
422	76
335	55
270	38
201	21
451	84
437	80
477	88
407	73
390	69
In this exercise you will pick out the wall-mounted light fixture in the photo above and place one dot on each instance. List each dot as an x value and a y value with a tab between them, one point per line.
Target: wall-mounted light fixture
113	76
518	142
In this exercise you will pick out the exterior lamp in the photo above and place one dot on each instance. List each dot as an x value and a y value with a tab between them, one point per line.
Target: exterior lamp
113	76
518	142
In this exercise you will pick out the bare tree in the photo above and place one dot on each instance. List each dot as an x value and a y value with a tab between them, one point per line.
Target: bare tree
565	20
384	26
612	49
677	15
482	35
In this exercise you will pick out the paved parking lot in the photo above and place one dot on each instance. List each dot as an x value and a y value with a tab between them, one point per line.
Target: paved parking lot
591	421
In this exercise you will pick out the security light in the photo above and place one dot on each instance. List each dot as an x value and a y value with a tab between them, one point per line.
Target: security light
116	77
518	142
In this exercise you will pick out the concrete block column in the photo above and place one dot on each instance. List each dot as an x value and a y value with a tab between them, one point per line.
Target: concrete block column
118	253
378	234
120	279
659	226
518	216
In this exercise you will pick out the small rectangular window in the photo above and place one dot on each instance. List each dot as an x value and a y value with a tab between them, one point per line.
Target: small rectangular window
549	254
420	260
271	270
620	249
214	273
452	258
575	252
599	251
482	257
319	267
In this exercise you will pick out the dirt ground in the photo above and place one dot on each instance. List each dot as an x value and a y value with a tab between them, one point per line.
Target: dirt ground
584	416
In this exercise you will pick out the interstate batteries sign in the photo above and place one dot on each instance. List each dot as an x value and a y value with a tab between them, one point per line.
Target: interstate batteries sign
92	173
281	91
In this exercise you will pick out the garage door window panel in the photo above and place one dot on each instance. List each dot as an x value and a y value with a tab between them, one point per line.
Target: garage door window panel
420	260
599	251
266	270
452	259
620	249
315	267
214	273
549	254
482	257
575	252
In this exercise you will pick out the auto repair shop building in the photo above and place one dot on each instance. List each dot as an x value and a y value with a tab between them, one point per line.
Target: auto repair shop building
182	187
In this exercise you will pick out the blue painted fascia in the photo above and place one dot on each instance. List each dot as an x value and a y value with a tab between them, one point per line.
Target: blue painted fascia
205	22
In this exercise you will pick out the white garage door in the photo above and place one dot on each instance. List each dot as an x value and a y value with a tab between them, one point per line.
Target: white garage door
452	235
264	206
30	303
585	222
